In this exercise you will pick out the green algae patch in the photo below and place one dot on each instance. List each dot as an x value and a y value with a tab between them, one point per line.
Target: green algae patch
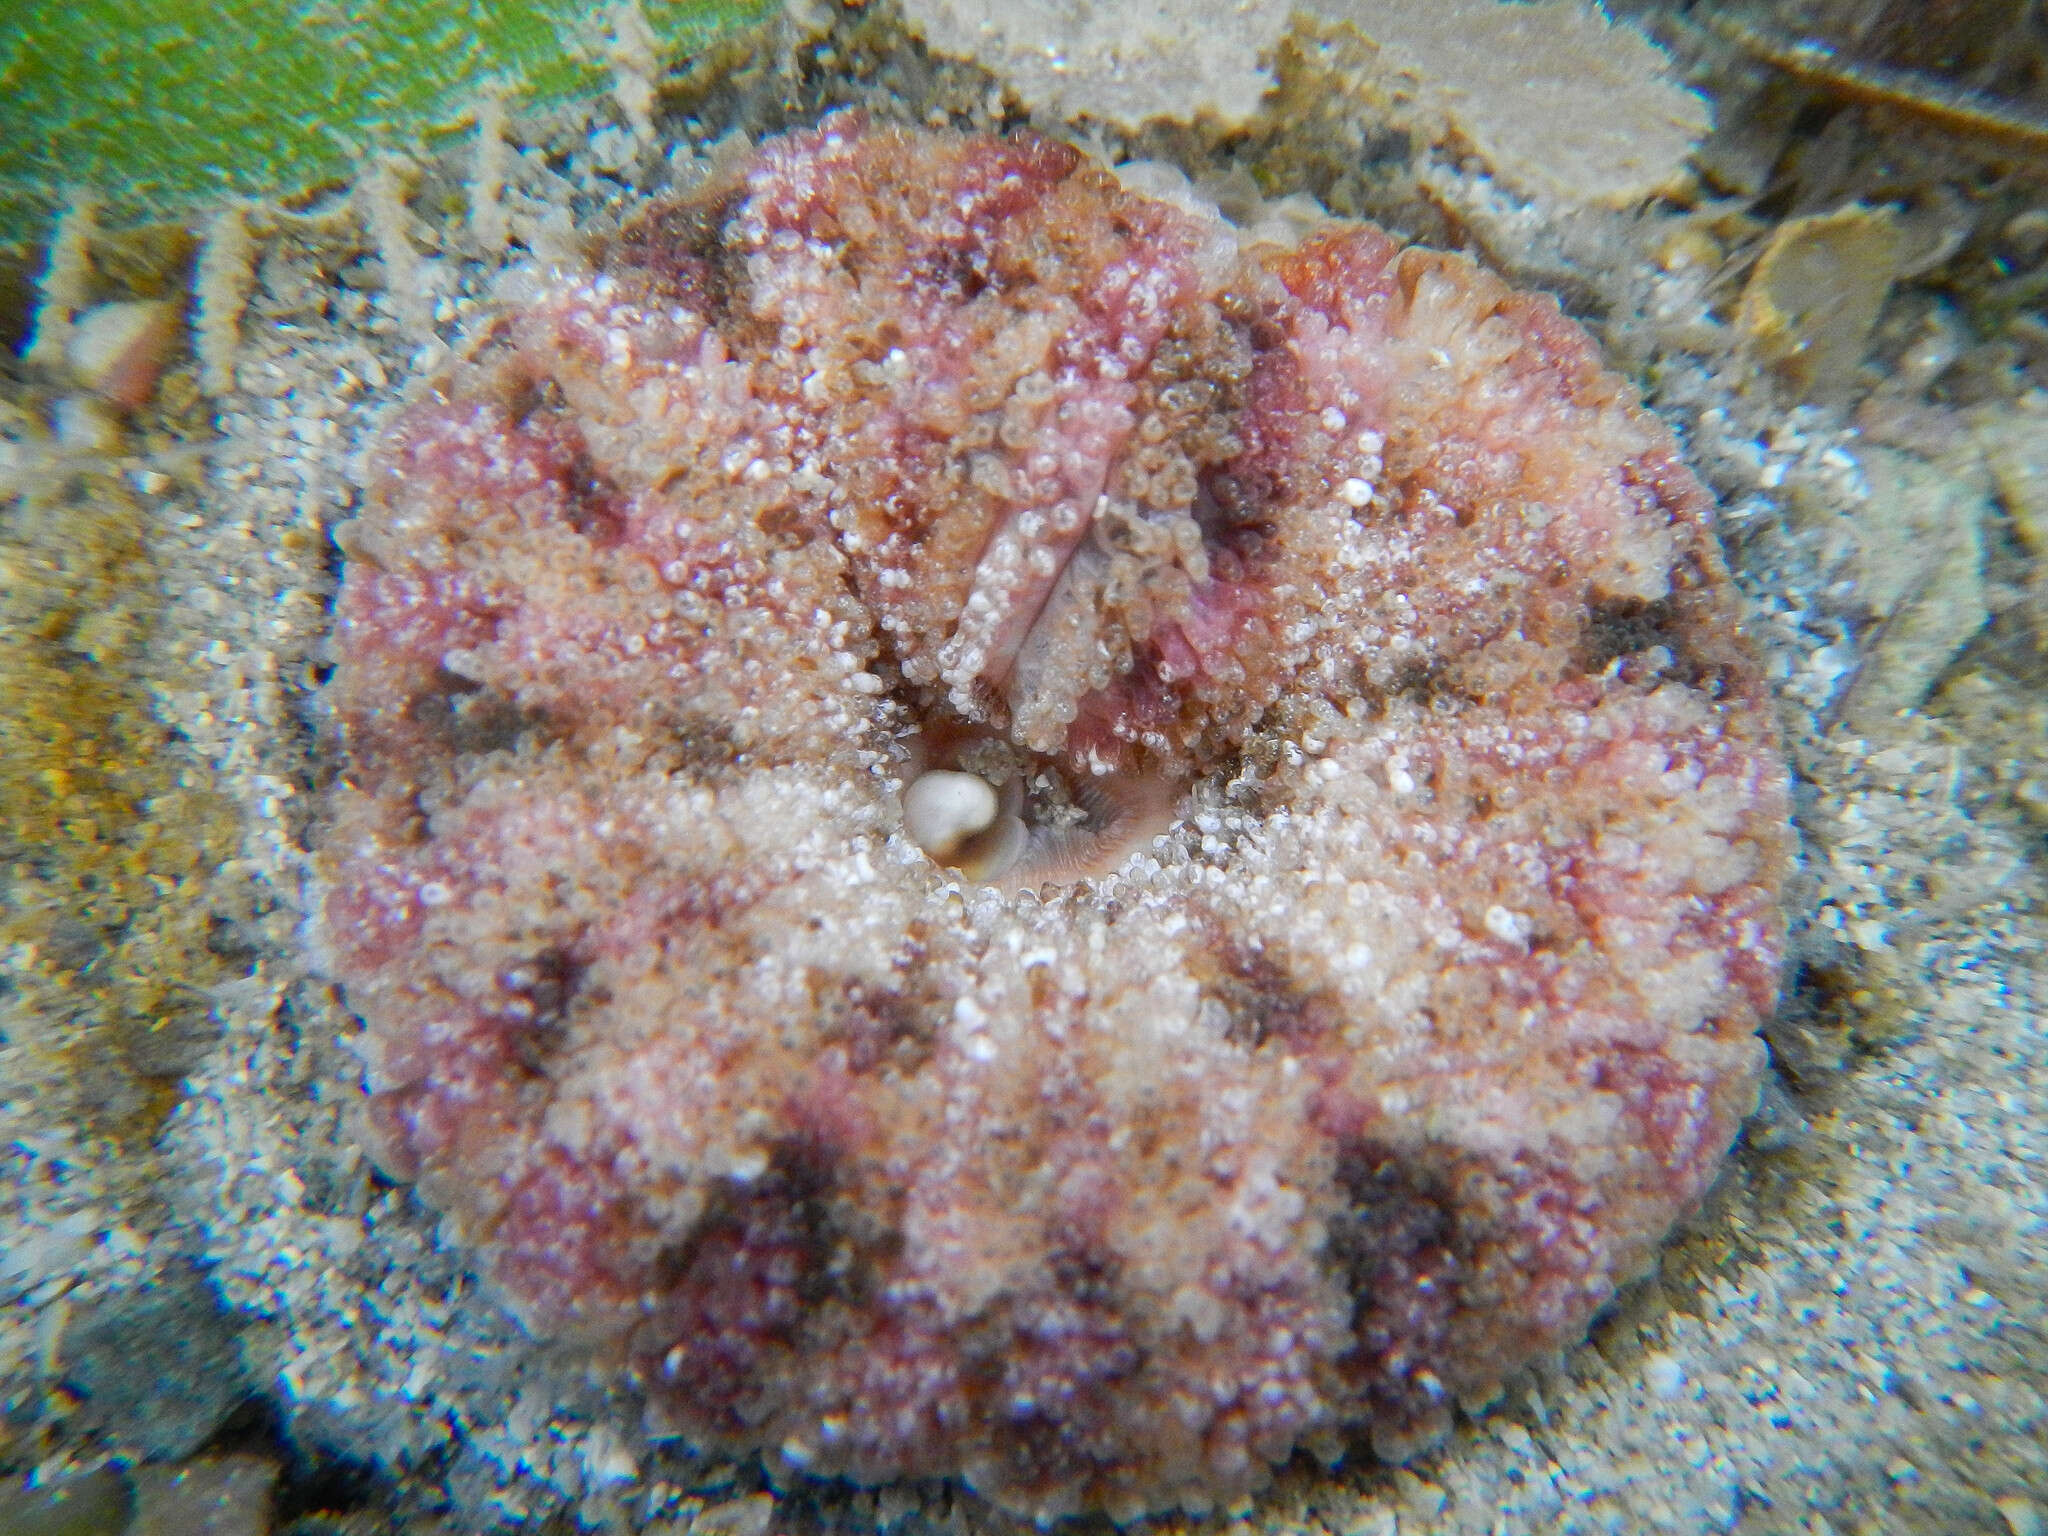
111	840
163	107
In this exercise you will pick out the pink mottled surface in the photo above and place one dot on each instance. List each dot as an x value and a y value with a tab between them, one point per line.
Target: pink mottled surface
1369	1079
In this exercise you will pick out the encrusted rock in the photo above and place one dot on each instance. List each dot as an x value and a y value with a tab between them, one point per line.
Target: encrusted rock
1349	971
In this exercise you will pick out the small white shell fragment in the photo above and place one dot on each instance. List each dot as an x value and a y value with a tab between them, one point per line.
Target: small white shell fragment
944	808
117	350
1663	1375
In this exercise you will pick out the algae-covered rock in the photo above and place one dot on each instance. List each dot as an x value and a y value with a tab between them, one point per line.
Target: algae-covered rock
164	105
112	846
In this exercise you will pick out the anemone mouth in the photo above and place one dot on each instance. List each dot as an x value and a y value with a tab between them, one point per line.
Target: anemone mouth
1022	825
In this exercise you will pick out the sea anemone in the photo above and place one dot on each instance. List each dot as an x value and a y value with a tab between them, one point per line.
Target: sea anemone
987	829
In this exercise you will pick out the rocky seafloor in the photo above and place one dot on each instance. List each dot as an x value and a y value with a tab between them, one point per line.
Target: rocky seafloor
1845	1336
